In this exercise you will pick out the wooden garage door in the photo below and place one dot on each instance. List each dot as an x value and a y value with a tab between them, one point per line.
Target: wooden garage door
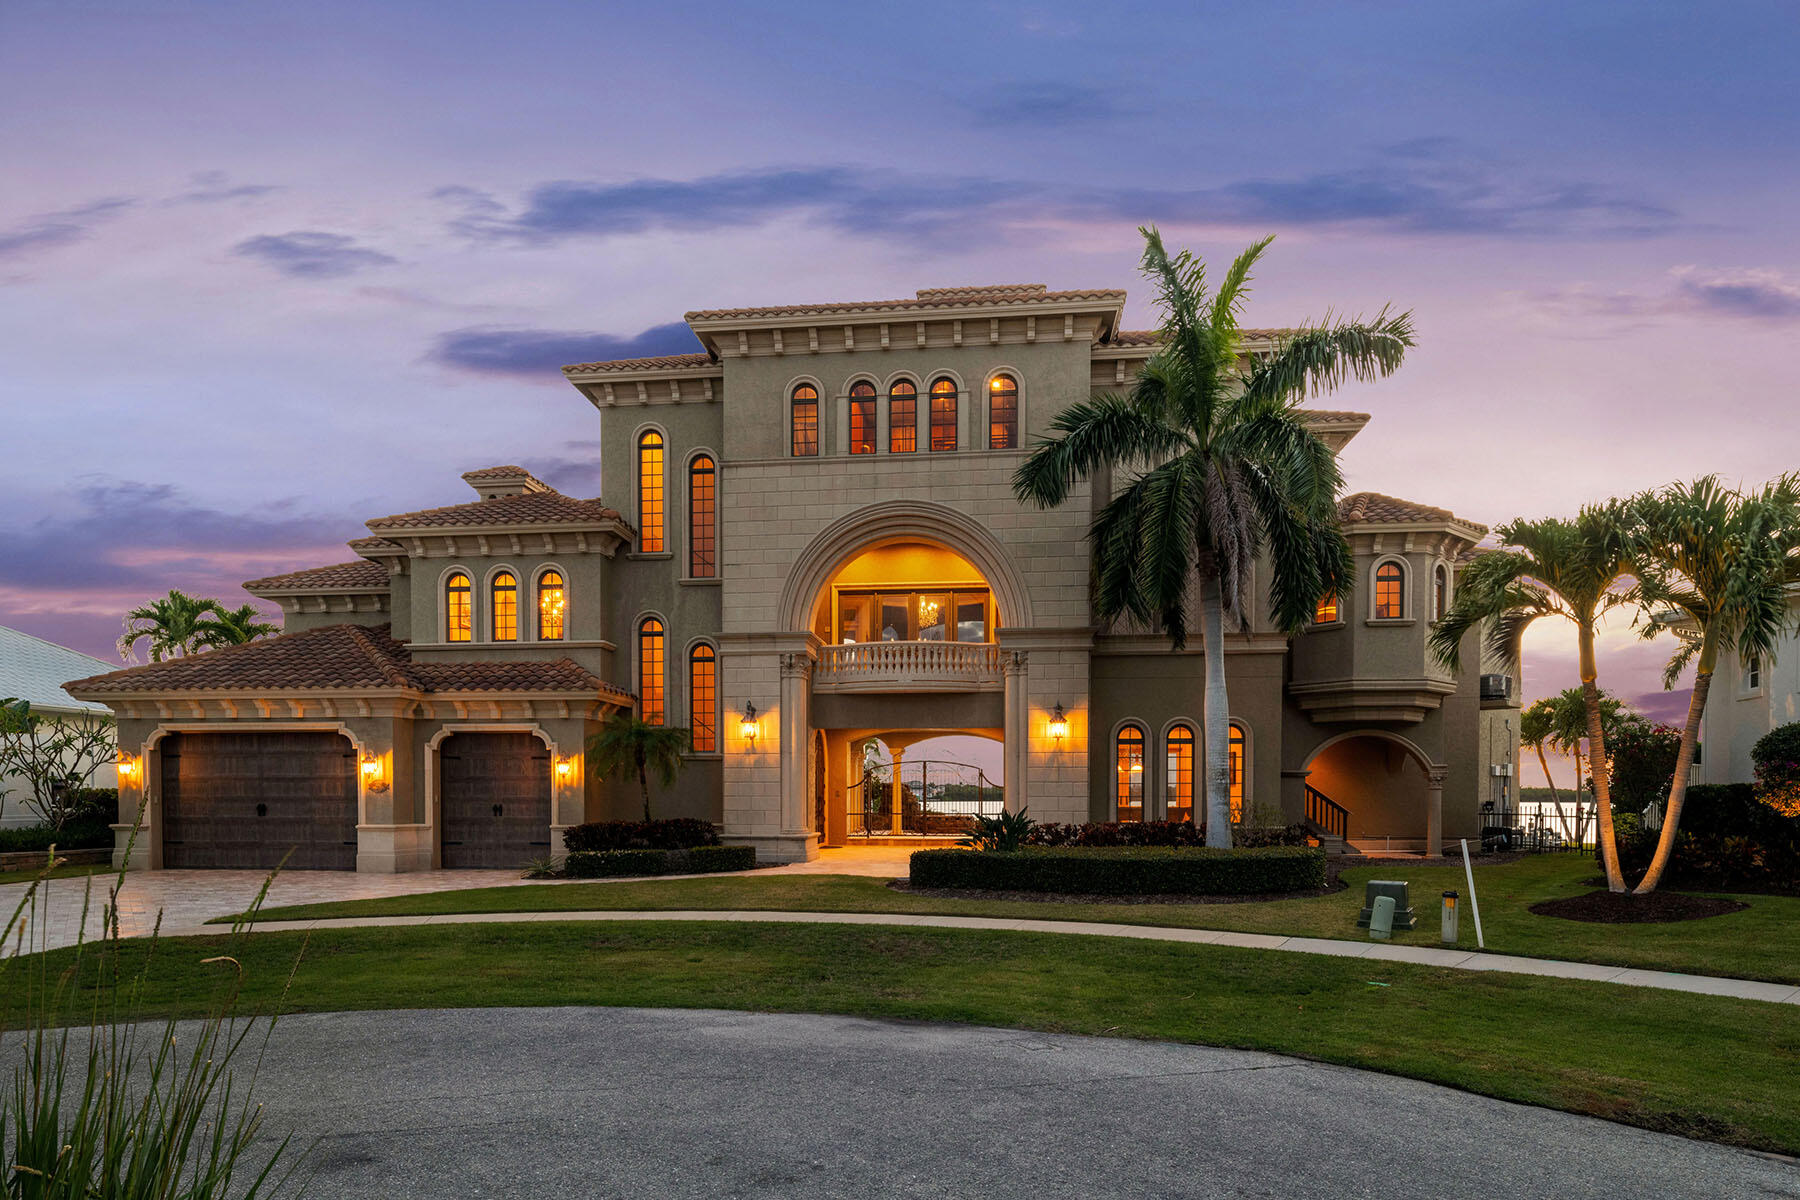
246	799
496	799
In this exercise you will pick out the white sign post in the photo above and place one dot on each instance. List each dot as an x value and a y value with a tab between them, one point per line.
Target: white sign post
1474	904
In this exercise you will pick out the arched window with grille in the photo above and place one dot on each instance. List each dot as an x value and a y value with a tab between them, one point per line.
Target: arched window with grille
1237	758
703	518
503	607
459	608
703	698
903	417
1178	778
1128	792
862	417
552	606
1003	412
943	414
650	664
650	492
803	421
1390	591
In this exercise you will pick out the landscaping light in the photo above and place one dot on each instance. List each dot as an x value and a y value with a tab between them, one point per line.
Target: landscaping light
747	726
1448	934
1058	727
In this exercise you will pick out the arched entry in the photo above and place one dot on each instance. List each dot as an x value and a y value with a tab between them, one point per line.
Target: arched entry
1388	791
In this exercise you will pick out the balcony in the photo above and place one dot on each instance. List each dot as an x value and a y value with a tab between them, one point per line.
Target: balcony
909	667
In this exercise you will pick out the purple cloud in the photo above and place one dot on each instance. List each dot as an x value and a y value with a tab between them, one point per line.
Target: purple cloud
47	230
1049	103
539	354
309	254
1758	294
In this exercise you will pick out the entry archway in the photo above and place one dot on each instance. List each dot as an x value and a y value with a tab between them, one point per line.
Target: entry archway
1390	790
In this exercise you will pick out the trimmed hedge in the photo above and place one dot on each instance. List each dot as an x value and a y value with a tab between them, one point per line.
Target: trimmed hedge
699	860
1158	833
74	835
1126	871
676	833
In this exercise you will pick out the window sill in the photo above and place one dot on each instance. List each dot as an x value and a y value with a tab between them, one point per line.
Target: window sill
651	554
704	755
1391	621
690	581
1321	626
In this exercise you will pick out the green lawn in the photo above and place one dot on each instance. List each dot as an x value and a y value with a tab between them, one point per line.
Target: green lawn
1761	942
1724	1070
64	872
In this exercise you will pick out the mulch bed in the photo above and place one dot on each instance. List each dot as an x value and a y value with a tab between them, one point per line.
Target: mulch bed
901	885
1616	908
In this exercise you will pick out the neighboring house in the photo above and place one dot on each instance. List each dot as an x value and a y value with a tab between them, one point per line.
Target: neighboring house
33	669
811	542
1747	700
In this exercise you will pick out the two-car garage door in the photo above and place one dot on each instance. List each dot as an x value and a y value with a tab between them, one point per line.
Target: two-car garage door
247	799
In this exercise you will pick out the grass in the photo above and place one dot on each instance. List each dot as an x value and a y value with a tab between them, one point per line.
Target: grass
1760	942
1706	1067
27	874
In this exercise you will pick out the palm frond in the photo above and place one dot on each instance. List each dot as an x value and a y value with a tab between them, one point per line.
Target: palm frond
1317	360
1108	431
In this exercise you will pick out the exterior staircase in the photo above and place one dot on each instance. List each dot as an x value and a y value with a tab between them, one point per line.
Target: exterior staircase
1328	821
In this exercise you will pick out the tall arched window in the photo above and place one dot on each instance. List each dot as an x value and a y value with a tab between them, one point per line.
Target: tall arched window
1390	591
903	417
1003	412
943	414
552	604
1440	592
1179	777
703	518
503	596
1327	610
1128	792
803	421
862	417
650	671
703	698
459	608
650	492
1234	756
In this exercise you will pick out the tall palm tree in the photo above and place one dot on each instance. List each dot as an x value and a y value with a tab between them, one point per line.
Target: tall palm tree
1226	471
177	624
234	627
1550	568
1715	563
626	748
1537	728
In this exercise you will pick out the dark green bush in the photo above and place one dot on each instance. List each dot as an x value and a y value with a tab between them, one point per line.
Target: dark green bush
676	833
1643	763
1125	871
706	859
1159	833
604	864
74	835
1728	839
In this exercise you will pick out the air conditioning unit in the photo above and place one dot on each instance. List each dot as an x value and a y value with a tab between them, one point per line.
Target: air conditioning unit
1496	687
1500	769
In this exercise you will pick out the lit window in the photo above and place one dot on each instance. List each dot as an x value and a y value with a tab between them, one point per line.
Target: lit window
1440	593
862	418
1129	792
903	417
1234	755
551	603
943	415
505	596
703	534
1327	610
650	493
803	420
1390	586
459	609
650	671
703	698
1180	778
1003	412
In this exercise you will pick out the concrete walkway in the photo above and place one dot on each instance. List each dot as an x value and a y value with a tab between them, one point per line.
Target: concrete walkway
1426	956
620	1102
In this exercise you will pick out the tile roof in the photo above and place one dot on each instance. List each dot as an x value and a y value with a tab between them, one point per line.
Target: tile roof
658	362
339	657
1373	508
526	508
504	472
1333	414
1152	337
33	669
929	298
376	545
360	573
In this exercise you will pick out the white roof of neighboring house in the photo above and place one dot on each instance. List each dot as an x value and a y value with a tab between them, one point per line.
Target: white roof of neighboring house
35	670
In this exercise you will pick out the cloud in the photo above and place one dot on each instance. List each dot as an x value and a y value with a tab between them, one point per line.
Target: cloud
1758	294
1423	187
540	354
213	187
47	230
308	254
574	472
1047	104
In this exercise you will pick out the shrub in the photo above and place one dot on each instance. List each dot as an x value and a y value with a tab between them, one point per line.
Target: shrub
75	835
676	833
1006	831
1776	757
707	859
1159	833
1728	839
605	864
1125	871
1643	763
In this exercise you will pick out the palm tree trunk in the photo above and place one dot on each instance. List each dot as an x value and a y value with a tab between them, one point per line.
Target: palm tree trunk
1555	796
644	783
1603	822
1218	712
1684	762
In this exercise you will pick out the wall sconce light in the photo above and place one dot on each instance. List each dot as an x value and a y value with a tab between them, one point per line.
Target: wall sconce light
565	769
371	774
1058	727
747	726
128	767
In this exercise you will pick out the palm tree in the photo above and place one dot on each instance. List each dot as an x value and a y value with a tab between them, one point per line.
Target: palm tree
626	747
177	624
1714	563
1537	726
1226	469
1549	568
236	626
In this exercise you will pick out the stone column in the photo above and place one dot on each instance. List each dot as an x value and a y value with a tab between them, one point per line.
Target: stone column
1016	753
796	738
1434	808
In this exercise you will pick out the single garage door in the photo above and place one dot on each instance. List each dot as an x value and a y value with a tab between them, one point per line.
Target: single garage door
496	799
247	799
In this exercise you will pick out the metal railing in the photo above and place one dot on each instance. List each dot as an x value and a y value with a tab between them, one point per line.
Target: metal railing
934	798
897	665
1327	814
1507	827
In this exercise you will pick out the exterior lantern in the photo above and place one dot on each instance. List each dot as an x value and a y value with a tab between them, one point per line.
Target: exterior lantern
565	769
371	773
747	726
128	767
1058	727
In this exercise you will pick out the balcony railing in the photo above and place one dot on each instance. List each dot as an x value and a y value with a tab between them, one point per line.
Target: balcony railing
909	666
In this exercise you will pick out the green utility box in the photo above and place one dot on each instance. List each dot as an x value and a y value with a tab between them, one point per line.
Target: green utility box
1403	913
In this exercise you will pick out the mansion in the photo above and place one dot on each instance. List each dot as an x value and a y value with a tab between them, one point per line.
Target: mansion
809	554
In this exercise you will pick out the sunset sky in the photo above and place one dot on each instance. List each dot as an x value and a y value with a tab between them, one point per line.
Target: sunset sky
267	271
